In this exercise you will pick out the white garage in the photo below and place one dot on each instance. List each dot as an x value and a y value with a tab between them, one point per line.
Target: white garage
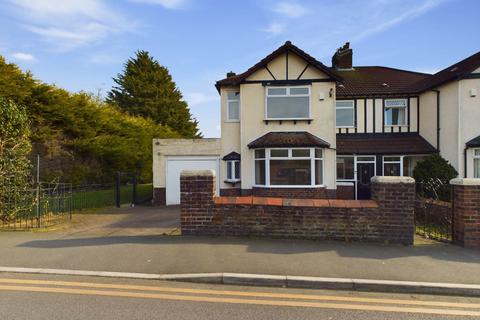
172	156
176	164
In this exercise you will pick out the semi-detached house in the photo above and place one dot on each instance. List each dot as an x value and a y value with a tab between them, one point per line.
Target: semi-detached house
294	127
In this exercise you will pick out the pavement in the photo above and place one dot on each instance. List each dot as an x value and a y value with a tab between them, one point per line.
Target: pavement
81	298
145	240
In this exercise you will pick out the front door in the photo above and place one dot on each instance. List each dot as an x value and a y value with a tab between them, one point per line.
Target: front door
365	172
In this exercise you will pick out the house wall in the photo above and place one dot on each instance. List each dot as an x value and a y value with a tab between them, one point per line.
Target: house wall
470	124
369	116
428	117
449	124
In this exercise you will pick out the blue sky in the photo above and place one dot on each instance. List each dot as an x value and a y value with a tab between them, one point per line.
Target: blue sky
82	44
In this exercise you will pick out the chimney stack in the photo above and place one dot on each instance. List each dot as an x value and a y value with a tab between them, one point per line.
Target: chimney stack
231	74
342	59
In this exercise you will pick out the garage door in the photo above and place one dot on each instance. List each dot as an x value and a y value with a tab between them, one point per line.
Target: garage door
175	165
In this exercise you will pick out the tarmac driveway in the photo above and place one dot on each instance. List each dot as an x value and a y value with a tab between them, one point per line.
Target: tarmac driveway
125	221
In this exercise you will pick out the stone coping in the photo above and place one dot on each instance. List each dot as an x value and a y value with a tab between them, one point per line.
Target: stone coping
392	179
197	173
284	202
465	181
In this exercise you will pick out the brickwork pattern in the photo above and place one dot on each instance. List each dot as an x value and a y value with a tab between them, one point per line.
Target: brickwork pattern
295	193
387	219
466	220
345	192
159	196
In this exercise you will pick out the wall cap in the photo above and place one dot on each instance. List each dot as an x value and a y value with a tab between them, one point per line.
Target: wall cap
197	173
465	182
392	179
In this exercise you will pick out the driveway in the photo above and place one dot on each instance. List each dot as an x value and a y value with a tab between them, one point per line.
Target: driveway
125	221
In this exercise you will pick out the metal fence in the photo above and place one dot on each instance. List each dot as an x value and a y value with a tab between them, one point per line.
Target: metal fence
52	203
434	210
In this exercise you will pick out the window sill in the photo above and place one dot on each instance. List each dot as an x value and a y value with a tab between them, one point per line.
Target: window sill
232	121
266	121
233	182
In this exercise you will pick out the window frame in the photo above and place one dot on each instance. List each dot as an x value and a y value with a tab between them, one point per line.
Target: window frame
353	114
476	158
267	157
354	168
234	164
400	162
228	107
289	95
405	107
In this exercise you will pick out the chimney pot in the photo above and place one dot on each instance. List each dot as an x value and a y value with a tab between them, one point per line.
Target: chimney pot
231	74
342	59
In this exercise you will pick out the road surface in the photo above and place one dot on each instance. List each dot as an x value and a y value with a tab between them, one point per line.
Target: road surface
24	296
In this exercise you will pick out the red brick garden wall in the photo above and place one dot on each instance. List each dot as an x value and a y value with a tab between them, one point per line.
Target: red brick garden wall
388	218
466	212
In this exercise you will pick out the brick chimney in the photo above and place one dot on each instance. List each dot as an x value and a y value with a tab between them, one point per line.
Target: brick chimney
342	59
231	74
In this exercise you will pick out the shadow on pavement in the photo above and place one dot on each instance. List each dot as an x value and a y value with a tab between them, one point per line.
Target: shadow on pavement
439	251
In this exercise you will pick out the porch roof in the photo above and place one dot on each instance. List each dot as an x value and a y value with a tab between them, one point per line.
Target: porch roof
383	143
474	143
288	140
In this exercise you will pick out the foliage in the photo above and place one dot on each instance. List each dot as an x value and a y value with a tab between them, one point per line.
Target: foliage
81	139
146	88
14	163
434	174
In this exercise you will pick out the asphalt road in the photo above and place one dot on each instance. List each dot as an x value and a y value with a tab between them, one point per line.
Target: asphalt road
59	297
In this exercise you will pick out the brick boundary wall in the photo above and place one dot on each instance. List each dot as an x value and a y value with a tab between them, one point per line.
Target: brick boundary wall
466	212
387	219
295	193
159	196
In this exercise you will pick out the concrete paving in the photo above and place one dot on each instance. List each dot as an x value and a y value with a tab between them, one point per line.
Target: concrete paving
137	240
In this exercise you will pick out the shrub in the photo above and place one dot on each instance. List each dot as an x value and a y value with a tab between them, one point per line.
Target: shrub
434	173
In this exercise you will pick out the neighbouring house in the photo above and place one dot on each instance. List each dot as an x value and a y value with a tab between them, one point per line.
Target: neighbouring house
294	127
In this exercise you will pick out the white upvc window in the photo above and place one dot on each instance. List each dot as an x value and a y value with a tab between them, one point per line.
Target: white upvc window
289	167
233	106
476	163
345	168
393	166
345	113
233	170
287	103
395	112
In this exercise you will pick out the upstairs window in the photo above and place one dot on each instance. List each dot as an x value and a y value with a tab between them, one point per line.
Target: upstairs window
395	112
288	103
345	111
476	163
233	106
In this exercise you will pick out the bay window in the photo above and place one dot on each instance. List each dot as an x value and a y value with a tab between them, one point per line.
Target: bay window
233	106
395	112
476	163
393	166
287	103
289	167
345	113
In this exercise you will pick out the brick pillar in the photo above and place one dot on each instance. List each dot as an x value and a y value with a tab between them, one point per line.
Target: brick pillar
197	190
396	201
466	212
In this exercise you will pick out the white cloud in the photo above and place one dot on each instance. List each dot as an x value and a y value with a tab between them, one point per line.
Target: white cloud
291	9
197	98
274	29
168	4
69	24
22	56
399	18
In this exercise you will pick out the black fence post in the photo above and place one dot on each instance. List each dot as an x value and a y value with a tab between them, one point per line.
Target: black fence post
117	190
134	189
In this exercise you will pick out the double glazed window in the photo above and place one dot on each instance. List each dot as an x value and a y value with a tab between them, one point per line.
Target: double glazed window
233	106
476	163
345	168
395	112
233	170
288	103
289	167
345	111
392	166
